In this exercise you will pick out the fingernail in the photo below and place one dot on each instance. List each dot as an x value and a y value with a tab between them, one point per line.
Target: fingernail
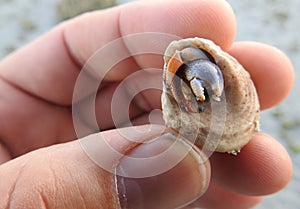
167	172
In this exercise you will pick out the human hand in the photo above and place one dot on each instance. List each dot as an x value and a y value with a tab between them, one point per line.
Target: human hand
36	87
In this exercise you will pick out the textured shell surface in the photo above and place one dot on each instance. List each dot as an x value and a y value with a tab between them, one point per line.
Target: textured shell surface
233	117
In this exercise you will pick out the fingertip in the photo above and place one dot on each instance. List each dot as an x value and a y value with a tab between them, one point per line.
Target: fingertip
271	70
218	197
263	167
164	173
207	19
276	165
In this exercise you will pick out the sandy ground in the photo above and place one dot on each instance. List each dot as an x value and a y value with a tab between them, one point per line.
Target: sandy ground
275	22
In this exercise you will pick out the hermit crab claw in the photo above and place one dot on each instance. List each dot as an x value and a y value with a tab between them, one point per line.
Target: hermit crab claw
197	74
193	67
205	75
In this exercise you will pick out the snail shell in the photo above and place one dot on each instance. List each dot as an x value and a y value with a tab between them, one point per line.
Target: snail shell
199	80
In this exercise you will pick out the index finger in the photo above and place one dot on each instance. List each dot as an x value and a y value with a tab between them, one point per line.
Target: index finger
48	67
270	69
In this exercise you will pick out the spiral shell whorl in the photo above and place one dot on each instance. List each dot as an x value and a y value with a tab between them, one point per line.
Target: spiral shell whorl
242	105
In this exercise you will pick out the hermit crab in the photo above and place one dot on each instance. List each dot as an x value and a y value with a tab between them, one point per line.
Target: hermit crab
206	92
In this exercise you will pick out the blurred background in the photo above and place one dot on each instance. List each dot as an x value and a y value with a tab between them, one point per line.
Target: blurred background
274	22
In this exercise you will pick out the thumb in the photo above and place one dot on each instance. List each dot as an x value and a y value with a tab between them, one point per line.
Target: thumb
111	169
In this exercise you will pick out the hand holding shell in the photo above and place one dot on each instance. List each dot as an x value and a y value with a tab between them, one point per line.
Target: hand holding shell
198	74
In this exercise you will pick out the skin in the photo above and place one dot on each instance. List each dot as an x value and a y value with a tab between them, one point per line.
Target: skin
35	113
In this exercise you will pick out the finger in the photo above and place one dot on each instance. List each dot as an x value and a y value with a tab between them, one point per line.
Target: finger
270	69
206	19
43	178
57	57
263	167
122	102
218	197
28	123
84	171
